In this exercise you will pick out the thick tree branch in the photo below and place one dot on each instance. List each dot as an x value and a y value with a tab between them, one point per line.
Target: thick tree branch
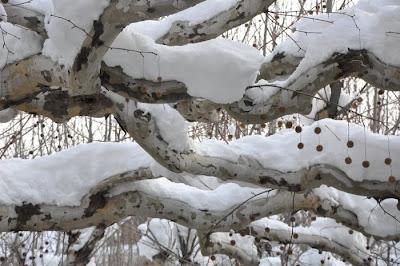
30	19
295	94
183	32
147	129
112	21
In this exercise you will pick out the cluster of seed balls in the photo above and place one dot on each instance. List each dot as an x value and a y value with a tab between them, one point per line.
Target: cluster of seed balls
350	144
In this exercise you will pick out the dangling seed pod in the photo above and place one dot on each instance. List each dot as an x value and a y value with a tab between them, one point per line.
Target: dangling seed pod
348	160
300	145
233	242
350	144
365	164
317	130
298	129
392	179
295	236
159	79
319	148
388	161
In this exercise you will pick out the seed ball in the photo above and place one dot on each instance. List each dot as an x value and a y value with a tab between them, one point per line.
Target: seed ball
350	144
295	236
380	92
300	145
388	161
289	124
212	257
279	123
233	242
319	148
317	130
159	79
392	179
351	232
365	164
298	129
267	229
290	251
292	219
359	99
348	160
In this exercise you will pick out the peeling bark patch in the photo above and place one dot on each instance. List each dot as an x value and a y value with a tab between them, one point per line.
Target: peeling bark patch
82	58
97	201
98	28
25	213
151	10
57	103
34	22
278	56
46	75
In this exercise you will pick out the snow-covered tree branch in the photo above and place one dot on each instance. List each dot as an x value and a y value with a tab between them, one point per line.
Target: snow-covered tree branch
164	68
